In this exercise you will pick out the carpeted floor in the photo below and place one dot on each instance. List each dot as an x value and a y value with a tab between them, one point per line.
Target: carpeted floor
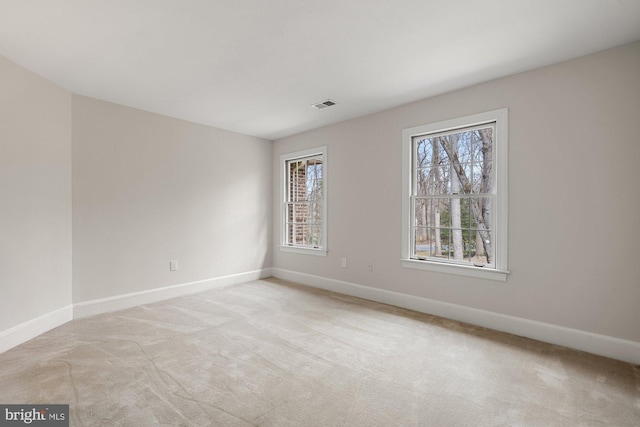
271	353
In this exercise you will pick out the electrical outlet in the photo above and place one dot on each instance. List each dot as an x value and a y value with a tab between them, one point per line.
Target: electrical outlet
343	263
173	265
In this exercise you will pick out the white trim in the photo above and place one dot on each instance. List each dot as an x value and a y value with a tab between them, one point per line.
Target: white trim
302	250
461	270
603	345
323	150
501	147
25	331
32	328
120	302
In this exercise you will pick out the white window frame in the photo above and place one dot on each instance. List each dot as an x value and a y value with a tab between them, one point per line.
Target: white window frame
500	271
284	158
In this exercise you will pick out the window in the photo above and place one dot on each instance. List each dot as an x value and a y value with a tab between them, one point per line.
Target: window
455	196
304	208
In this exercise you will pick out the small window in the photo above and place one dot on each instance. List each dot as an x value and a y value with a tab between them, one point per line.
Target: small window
304	204
455	196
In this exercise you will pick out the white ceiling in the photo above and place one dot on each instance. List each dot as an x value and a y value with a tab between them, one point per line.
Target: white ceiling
256	66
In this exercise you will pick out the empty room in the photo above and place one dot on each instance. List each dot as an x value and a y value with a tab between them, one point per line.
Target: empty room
320	213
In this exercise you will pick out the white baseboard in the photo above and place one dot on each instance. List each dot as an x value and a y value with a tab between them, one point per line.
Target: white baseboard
32	328
25	331
121	302
603	345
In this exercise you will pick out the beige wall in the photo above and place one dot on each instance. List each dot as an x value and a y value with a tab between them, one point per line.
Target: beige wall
35	196
574	205
148	189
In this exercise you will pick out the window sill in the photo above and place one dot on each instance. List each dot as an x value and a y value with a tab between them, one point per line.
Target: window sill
305	251
462	270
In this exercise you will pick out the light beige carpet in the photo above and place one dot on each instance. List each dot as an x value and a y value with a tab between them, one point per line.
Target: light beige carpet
270	353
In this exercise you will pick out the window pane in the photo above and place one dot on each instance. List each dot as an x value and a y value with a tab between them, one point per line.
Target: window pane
421	212
424	182
314	237
452	186
422	242
424	152
476	178
483	228
300	235
301	212
454	163
304	201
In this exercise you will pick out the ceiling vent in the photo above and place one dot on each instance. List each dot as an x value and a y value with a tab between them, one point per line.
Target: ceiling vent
324	104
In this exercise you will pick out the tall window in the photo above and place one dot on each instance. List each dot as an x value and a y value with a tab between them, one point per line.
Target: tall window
304	205
455	190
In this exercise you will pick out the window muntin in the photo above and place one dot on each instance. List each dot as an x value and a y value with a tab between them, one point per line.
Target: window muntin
304	204
455	196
